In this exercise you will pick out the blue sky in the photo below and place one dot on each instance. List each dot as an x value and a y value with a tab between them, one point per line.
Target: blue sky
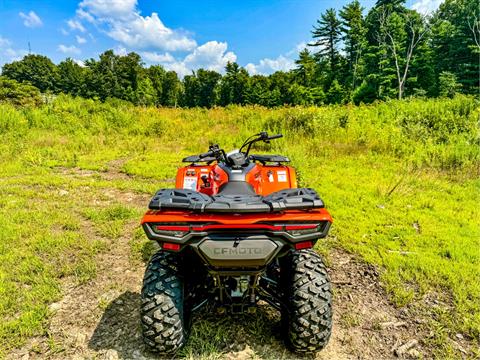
262	35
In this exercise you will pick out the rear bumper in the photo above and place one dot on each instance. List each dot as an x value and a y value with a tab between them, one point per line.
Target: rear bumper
245	229
236	242
201	225
232	251
191	217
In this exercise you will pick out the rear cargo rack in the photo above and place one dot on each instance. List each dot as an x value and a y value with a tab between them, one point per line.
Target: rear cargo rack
288	199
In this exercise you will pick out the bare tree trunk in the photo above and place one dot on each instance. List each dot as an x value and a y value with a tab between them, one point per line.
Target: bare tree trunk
415	38
381	38
358	53
474	27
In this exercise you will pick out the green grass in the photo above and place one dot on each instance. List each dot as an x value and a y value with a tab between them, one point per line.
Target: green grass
400	179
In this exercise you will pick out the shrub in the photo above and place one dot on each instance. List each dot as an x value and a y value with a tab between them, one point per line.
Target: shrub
19	94
448	85
365	93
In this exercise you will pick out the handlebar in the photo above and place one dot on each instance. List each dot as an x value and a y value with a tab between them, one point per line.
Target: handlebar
215	152
274	137
219	154
263	136
207	154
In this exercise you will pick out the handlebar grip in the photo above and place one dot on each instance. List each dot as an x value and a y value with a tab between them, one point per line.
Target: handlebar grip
207	154
275	136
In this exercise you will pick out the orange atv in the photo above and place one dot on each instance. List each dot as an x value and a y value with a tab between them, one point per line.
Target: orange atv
236	230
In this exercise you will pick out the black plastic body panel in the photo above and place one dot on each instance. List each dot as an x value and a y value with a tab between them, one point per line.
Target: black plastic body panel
197	159
236	188
269	158
239	173
288	199
192	236
237	203
294	199
179	199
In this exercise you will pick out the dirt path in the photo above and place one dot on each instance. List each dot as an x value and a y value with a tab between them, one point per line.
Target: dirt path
100	319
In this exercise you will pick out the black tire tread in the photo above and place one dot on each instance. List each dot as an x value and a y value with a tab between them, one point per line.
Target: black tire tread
162	305
308	319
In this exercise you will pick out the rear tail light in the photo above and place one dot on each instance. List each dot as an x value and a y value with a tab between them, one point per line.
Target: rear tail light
297	230
168	230
180	230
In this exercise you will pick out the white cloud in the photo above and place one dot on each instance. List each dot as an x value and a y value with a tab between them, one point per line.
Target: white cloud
154	57
9	54
80	63
13	54
426	6
149	31
121	20
120	50
75	25
69	49
212	55
267	66
4	42
31	19
284	62
82	14
80	40
298	48
179	67
109	8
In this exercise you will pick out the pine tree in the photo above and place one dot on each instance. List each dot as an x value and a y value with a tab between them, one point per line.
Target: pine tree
447	84
354	30
171	89
156	74
336	93
306	68
190	91
327	35
259	91
233	87
145	92
207	87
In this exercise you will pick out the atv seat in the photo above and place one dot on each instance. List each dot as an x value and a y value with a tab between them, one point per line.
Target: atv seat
229	202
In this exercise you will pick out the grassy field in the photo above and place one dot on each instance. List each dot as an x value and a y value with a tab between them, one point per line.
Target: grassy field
400	178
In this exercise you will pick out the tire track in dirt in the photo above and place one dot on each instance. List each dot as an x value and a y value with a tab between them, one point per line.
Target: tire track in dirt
100	319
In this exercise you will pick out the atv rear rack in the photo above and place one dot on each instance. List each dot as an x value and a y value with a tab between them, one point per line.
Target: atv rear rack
288	199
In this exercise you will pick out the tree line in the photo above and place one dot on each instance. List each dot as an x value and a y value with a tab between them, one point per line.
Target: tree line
389	52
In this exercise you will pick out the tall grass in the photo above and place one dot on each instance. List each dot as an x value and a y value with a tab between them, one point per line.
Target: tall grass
439	133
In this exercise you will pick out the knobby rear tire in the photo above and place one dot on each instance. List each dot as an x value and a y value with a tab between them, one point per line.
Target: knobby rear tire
307	320
162	311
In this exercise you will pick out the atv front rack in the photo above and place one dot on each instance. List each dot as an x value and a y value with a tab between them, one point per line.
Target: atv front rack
288	199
